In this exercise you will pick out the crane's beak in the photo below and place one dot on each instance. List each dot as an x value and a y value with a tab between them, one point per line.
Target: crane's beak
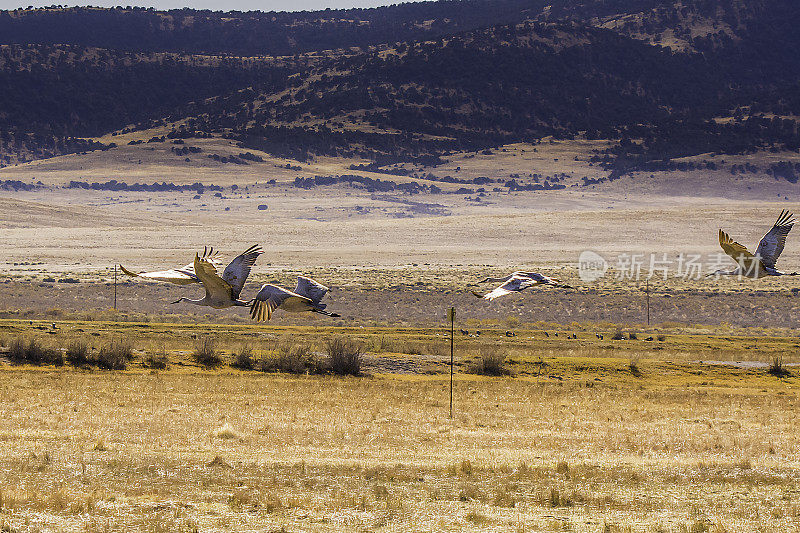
176	302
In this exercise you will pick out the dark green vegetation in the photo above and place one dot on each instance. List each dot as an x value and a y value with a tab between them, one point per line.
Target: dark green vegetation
402	82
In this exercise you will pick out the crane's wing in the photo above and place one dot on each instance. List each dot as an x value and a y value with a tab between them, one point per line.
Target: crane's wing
771	246
268	299
535	276
236	272
215	286
180	276
738	253
311	289
209	254
515	284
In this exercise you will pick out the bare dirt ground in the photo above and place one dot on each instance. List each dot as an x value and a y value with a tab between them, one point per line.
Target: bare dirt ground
419	305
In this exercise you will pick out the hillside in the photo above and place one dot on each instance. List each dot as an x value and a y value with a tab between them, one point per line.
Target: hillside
411	82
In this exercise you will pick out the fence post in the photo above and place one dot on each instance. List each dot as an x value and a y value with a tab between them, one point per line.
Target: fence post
451	313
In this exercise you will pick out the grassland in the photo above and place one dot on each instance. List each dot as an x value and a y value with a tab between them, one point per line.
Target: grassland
583	435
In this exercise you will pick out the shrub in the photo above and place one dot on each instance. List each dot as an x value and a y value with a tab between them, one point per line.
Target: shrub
33	353
344	356
243	358
16	350
114	356
157	360
491	362
633	366
633	336
205	353
78	353
776	368
661	337
289	357
618	336
295	359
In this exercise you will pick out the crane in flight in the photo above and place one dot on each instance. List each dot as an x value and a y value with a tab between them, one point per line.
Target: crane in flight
306	297
224	291
518	281
769	249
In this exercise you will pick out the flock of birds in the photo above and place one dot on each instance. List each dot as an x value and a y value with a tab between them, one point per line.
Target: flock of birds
224	291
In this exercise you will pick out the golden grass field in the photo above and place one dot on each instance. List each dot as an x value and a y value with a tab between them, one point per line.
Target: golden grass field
583	435
580	434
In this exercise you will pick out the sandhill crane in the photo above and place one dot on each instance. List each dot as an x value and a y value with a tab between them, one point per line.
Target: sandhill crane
184	275
769	249
222	292
305	298
517	282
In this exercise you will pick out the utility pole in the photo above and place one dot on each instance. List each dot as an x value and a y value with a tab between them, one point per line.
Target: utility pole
115	287
647	293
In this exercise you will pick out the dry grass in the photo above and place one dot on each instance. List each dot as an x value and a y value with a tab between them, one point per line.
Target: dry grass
157	359
33	352
343	356
205	353
243	358
288	356
78	352
777	368
236	452
491	362
114	356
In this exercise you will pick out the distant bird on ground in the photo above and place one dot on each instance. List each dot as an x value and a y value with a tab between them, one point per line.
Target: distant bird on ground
184	275
517	282
222	292
305	298
769	249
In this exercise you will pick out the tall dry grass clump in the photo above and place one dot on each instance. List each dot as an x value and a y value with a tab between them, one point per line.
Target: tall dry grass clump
634	365
290	357
343	356
78	352
243	358
205	353
114	356
777	368
32	352
491	362
157	359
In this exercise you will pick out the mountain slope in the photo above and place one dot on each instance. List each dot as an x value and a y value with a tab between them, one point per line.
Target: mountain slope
670	78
